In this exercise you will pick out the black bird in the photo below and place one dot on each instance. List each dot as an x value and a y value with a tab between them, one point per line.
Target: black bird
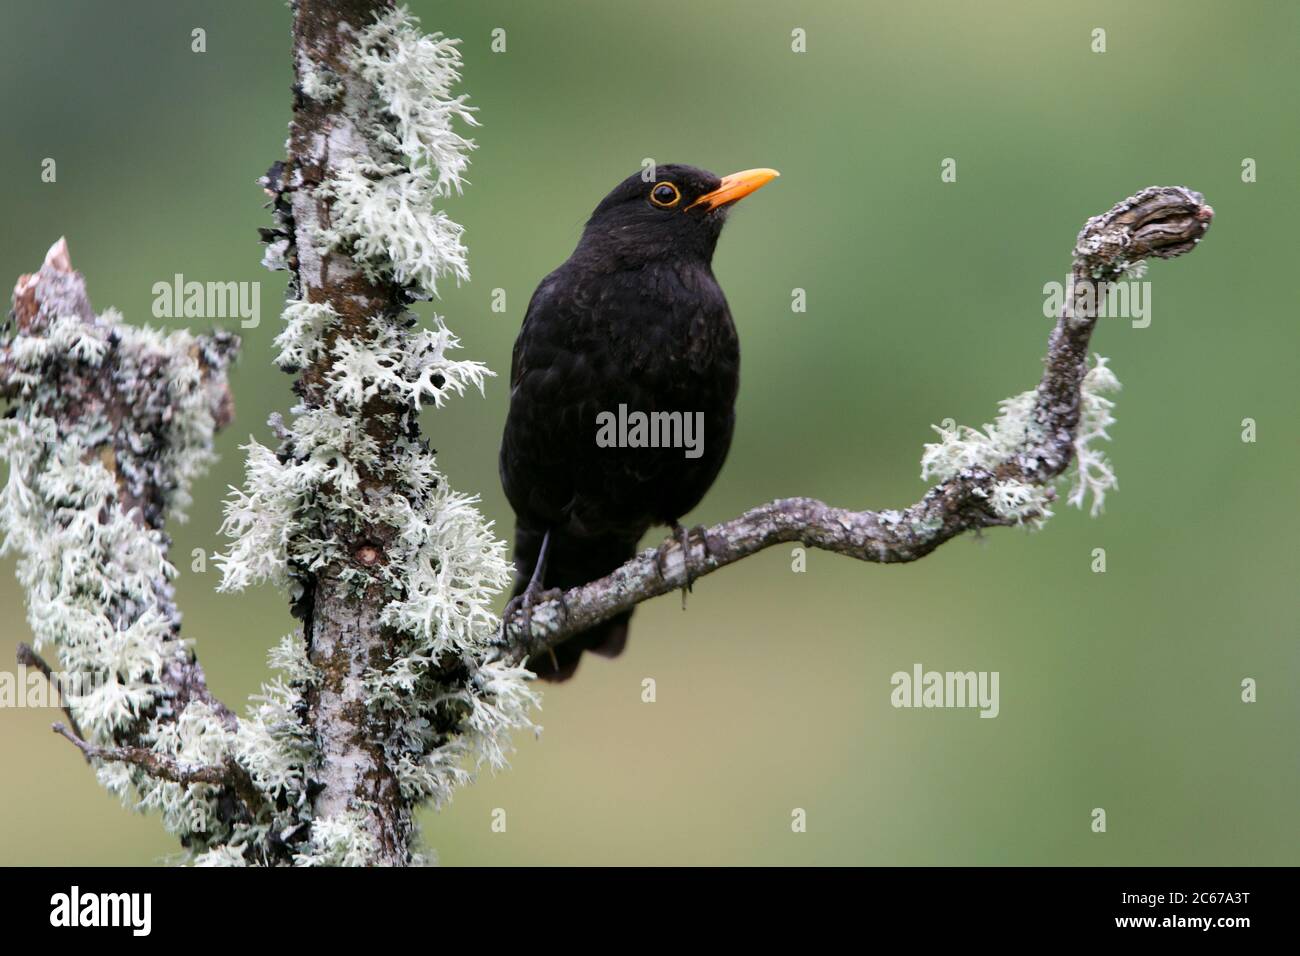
635	319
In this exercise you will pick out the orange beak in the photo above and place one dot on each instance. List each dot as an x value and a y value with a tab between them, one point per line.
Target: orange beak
736	186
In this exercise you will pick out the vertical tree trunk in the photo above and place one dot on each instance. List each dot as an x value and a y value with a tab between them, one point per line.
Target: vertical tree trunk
341	623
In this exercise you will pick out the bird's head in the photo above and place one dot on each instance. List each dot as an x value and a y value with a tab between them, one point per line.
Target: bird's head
676	212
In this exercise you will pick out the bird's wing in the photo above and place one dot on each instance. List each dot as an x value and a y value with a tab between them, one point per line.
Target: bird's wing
543	301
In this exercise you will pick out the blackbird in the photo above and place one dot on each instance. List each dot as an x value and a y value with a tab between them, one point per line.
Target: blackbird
633	327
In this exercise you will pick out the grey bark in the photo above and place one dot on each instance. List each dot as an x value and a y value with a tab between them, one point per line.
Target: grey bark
341	626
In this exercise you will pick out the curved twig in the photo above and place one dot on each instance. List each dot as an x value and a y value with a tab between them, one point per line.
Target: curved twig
1160	221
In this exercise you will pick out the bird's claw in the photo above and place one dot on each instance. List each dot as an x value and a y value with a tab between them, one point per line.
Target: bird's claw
682	539
532	596
660	553
526	600
512	608
556	595
703	534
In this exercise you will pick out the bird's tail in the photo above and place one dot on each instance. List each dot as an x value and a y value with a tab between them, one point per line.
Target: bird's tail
572	561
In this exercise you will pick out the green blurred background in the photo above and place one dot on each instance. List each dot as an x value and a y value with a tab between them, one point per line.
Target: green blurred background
1118	690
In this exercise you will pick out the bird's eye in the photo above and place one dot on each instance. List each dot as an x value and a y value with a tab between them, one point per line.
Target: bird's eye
665	195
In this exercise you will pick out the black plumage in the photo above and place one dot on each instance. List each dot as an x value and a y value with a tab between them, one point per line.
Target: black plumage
634	318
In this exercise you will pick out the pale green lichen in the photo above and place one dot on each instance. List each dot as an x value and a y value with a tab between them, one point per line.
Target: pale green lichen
1132	270
412	75
1093	474
383	216
96	578
383	199
319	83
1021	501
961	448
303	339
339	841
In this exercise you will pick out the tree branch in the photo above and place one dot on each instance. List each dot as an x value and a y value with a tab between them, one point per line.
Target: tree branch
1160	221
108	426
163	767
29	658
93	394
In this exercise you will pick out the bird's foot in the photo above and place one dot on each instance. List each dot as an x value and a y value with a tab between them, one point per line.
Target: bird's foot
661	554
556	595
682	539
532	596
512	608
702	533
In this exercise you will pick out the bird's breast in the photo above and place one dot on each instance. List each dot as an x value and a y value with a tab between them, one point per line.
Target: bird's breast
666	324
604	347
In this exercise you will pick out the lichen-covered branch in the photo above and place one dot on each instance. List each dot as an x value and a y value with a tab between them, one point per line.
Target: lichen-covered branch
164	767
157	765
1002	475
108	426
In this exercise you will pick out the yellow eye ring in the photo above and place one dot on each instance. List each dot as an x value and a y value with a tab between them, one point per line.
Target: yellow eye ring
665	195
